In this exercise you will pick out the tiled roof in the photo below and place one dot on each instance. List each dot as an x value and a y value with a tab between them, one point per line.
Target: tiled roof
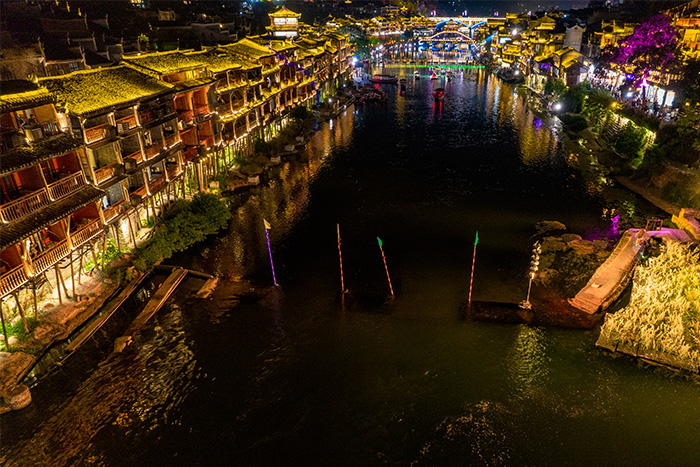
217	60
90	91
20	229
16	159
249	49
165	62
284	12
22	94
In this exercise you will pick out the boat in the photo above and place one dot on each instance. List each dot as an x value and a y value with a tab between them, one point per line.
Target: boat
439	94
384	79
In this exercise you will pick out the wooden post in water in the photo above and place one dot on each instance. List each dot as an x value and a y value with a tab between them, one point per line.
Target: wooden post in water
385	266
471	281
340	256
269	252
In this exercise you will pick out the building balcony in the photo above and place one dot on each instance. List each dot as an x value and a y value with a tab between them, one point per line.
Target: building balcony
154	149
207	141
125	124
105	173
190	153
66	186
39	131
12	280
171	140
27	204
185	115
86	233
201	110
48	258
113	211
174	172
97	133
157	184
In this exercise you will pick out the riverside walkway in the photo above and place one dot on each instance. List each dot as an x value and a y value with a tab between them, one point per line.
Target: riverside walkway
612	276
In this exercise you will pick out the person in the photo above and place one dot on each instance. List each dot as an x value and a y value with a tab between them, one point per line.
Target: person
32	120
22	122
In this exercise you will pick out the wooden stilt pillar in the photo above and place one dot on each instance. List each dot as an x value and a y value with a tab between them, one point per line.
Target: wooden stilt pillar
72	277
153	210
4	329
162	205
131	230
104	249
58	284
116	234
80	265
93	245
36	307
21	311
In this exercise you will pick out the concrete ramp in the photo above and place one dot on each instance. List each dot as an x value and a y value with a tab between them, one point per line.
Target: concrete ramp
612	276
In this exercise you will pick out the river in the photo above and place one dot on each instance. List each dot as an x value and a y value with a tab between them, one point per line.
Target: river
301	378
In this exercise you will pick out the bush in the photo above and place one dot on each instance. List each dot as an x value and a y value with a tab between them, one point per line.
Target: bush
630	142
574	123
204	215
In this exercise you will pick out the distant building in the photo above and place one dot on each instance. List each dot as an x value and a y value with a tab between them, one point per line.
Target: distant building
284	23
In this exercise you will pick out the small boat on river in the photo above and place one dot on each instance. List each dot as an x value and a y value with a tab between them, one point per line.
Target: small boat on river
384	79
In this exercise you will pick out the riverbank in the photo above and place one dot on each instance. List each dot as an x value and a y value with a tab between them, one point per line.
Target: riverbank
56	323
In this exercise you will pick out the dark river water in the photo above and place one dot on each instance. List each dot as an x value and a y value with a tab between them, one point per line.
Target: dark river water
302	379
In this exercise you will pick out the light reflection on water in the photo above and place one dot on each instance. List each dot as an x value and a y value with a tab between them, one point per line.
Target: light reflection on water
295	380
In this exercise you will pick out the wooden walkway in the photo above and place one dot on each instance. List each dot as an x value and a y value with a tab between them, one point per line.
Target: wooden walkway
157	300
612	276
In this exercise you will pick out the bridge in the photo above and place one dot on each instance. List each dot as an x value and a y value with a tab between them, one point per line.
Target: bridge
471	22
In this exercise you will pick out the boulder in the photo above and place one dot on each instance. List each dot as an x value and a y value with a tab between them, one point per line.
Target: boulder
582	247
568	237
549	226
600	245
553	244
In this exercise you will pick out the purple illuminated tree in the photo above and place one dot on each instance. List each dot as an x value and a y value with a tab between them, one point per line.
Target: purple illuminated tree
652	46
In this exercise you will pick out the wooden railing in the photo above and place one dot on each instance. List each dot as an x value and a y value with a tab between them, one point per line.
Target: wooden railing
50	257
172	140
153	150
89	231
126	123
96	133
66	186
185	115
201	110
145	116
190	153
156	185
137	156
208	141
12	280
113	211
50	128
105	173
25	205
142	192
174	172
